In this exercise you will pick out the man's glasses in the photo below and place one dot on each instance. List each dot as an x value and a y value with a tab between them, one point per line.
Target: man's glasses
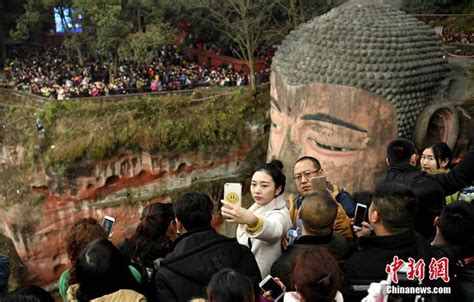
307	175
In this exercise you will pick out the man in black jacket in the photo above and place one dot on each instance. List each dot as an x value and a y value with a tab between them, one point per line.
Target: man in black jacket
199	252
401	159
392	216
318	214
429	189
455	240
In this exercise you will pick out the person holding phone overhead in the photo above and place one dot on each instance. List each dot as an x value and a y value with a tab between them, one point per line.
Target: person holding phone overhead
305	170
262	226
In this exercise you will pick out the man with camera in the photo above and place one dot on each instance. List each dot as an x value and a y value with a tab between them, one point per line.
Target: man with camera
306	168
392	217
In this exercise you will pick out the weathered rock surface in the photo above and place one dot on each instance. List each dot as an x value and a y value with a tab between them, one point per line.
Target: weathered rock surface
44	192
118	187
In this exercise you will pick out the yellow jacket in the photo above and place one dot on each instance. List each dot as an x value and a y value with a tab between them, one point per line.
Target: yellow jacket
123	295
342	224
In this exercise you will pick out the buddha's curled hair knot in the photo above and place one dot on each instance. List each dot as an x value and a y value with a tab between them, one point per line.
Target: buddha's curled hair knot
372	46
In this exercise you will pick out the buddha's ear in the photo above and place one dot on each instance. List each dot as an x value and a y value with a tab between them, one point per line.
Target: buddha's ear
437	123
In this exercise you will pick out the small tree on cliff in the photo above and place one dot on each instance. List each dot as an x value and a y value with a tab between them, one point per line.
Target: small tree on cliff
250	23
291	13
247	23
142	46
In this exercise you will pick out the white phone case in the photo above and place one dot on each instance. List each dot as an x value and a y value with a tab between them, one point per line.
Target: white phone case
359	216
274	284
108	223
233	193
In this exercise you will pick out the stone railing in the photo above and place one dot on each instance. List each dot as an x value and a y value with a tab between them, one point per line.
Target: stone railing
29	98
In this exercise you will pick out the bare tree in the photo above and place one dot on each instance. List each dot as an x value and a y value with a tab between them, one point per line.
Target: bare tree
245	22
250	23
291	13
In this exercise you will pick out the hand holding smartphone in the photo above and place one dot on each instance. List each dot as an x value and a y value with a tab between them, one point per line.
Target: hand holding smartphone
233	193
292	235
108	225
319	183
269	285
359	216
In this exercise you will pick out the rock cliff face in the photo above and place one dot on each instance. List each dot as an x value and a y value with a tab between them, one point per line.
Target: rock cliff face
84	161
119	187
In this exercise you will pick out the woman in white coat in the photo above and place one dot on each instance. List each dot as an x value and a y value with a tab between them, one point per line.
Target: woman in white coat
262	226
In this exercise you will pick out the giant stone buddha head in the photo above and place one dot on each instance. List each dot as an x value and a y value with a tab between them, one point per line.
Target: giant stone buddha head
346	83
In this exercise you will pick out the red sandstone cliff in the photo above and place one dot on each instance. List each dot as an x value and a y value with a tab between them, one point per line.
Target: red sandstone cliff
119	187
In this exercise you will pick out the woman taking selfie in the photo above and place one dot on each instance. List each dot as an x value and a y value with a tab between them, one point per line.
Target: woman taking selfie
262	226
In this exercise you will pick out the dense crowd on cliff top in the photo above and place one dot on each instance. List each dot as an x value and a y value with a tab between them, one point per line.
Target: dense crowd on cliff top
460	37
45	70
325	245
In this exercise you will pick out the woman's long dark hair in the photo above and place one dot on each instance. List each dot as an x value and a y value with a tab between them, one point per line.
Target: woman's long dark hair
317	275
441	151
228	285
83	232
150	240
101	269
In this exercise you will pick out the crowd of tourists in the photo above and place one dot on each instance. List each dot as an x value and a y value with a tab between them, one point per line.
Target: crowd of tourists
230	50
48	71
418	226
455	38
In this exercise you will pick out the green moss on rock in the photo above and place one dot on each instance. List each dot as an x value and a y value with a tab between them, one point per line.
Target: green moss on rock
208	122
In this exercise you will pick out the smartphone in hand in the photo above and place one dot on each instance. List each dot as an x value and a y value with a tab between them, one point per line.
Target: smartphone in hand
319	183
292	235
269	284
359	216
233	193
108	225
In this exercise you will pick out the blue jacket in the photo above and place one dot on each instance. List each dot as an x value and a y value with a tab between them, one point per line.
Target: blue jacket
4	274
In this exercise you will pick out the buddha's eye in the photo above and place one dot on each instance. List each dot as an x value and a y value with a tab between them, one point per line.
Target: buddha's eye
336	138
332	148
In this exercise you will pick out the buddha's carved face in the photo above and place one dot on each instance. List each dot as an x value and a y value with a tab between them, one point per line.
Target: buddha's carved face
347	129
